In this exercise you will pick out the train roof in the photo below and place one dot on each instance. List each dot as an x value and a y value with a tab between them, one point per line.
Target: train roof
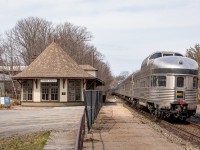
159	54
169	59
175	63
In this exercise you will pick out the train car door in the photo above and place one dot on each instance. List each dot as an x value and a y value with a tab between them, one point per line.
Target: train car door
180	88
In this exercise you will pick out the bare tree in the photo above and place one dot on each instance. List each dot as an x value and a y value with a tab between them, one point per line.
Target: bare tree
118	79
30	36
1	51
72	39
194	53
10	56
8	60
123	75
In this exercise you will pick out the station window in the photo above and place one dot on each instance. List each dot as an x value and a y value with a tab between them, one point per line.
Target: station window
195	82
50	91
180	82
27	90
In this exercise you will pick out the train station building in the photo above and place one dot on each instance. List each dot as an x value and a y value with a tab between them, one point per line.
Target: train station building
55	79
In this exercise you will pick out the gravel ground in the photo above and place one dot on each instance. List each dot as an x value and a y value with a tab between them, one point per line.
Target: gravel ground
196	117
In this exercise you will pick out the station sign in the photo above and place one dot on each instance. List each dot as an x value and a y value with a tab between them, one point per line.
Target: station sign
48	80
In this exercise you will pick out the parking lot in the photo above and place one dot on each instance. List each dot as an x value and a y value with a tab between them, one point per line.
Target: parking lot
26	120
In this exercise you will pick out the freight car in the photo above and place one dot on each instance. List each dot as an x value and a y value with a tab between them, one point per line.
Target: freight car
166	84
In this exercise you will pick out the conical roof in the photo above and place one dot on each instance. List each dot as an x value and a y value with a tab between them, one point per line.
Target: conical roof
53	62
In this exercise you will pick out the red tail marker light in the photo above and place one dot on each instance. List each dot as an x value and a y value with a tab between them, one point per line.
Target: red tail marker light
181	102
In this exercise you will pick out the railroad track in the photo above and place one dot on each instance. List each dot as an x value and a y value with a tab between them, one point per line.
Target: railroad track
186	130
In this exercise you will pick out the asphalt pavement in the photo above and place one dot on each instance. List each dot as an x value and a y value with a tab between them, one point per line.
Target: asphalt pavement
25	120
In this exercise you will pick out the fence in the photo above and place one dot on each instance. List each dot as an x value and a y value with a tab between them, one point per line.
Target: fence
93	103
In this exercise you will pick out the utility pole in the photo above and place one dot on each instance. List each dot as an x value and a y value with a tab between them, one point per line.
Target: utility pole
92	58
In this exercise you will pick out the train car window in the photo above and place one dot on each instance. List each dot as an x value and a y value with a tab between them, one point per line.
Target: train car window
148	81
167	54
144	63
142	84
180	82
158	81
154	81
177	54
156	55
161	80
195	82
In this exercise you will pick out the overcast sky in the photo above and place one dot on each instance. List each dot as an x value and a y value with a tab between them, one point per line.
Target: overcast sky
125	32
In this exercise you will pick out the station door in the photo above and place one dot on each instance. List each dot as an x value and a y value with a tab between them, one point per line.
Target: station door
74	90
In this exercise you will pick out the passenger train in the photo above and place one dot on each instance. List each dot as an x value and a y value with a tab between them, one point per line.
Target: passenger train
166	84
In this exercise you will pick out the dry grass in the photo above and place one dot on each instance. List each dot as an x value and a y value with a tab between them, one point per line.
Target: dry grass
5	107
33	141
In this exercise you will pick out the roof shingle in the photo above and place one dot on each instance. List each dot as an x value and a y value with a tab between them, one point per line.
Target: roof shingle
53	62
88	68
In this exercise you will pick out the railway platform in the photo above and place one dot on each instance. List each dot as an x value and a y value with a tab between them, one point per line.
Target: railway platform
118	128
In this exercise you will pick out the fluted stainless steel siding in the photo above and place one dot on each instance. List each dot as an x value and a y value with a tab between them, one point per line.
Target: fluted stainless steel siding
191	95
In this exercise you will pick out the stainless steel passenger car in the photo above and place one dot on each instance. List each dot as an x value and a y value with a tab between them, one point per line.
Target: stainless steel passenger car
167	85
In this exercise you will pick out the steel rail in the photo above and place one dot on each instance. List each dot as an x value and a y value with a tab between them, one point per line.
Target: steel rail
183	133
